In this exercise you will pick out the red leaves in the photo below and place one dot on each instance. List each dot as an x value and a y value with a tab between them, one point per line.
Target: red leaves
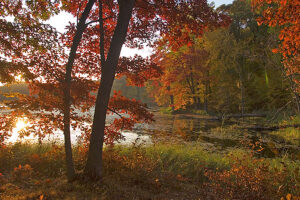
275	50
284	14
135	109
138	70
41	51
128	112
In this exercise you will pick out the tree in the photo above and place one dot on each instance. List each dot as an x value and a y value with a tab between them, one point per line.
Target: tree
44	106
144	25
243	69
22	39
284	14
97	57
67	87
184	76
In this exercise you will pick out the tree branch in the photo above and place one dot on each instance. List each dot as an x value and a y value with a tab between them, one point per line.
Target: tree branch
102	54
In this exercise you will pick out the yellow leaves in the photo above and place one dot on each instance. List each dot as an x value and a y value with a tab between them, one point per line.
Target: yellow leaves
290	197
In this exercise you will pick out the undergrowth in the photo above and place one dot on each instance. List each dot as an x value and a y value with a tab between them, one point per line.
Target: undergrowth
159	171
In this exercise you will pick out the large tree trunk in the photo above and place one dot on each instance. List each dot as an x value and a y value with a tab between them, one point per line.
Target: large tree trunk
67	86
93	168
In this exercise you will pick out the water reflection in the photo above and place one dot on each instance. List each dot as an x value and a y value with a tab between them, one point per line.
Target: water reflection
186	127
21	134
211	134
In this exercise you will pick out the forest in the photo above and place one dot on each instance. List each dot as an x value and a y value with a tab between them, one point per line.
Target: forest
213	112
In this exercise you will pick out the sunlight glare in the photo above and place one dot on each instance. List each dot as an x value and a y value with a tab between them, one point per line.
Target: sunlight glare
19	78
20	125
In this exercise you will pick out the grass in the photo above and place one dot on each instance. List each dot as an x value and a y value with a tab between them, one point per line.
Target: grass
290	135
292	120
181	171
168	110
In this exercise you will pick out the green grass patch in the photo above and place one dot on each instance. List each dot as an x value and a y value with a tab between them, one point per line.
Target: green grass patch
290	135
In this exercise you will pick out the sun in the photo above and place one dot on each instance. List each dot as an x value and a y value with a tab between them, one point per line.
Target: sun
20	125
19	78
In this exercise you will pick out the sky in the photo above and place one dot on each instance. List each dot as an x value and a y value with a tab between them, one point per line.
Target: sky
62	20
220	2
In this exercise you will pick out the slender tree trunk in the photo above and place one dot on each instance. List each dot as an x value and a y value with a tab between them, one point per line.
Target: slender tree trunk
242	90
198	103
206	91
242	98
94	168
297	99
172	102
67	86
294	91
171	99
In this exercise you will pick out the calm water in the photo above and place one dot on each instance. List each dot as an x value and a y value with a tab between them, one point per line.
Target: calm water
213	135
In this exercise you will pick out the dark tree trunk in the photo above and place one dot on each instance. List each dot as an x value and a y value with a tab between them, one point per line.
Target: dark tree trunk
241	80
294	91
206	91
172	102
198	103
297	99
171	99
93	168
67	86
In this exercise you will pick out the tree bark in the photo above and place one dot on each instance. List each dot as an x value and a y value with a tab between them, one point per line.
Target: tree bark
171	99
67	87
94	169
206	91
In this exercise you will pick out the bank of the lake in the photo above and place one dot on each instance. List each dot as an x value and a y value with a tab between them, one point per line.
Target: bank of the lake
159	171
181	156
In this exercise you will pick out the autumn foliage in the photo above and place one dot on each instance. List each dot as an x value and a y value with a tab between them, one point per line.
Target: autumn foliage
285	15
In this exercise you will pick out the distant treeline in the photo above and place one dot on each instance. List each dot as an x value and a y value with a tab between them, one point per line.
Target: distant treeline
21	88
138	93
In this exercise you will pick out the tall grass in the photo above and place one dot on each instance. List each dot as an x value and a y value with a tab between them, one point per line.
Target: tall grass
290	135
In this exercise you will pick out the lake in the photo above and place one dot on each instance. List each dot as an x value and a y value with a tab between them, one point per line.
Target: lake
213	135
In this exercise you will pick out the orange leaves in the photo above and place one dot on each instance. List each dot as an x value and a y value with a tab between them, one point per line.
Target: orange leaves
249	179
41	197
290	197
283	2
285	14
22	172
